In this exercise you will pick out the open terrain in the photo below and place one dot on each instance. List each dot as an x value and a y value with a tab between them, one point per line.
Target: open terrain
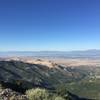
79	75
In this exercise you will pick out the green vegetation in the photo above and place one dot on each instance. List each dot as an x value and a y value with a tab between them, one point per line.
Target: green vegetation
61	90
59	98
1	88
85	88
42	94
37	94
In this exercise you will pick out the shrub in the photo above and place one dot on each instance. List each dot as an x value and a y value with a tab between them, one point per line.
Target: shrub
61	90
59	98
37	94
56	97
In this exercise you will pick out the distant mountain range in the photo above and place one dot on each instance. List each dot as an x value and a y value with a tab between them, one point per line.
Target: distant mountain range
62	54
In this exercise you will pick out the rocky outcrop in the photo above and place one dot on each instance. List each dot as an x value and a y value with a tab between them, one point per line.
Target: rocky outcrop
8	94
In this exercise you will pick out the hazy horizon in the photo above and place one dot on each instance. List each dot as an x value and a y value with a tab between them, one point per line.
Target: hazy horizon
50	50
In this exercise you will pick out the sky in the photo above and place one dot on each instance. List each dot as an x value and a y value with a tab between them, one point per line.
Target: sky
49	25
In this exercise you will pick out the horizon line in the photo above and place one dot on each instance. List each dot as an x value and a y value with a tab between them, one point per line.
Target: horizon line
49	50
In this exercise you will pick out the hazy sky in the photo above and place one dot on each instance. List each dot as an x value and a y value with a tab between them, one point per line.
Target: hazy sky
49	25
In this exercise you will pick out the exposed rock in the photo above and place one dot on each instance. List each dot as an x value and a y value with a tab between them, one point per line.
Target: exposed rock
8	94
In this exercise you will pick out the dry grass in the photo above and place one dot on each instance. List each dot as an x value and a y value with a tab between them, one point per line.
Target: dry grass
52	62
